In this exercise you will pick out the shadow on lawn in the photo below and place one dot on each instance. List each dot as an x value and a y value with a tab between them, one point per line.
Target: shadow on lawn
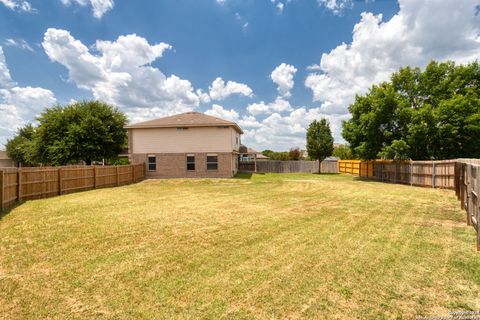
6	211
244	175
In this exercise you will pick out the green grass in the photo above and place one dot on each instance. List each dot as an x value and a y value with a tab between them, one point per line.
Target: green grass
265	247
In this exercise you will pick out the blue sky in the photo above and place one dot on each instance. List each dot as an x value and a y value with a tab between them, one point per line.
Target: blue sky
154	58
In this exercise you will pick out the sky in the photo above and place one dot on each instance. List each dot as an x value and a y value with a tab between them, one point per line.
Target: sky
272	66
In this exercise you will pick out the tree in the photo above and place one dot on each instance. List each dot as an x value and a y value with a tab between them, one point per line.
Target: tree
319	141
398	150
268	153
429	114
22	148
343	152
294	154
82	131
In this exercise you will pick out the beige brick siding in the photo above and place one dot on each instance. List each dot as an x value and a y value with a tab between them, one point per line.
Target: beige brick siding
174	165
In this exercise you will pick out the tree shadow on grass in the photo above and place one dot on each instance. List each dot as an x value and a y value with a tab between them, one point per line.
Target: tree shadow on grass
243	175
6	211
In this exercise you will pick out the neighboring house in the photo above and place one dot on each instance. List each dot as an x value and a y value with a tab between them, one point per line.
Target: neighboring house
190	144
5	161
250	154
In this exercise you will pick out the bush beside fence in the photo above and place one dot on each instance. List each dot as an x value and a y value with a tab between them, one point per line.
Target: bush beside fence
17	184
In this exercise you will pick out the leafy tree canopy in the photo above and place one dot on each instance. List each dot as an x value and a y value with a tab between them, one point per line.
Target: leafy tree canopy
82	131
319	140
22	148
343	152
429	114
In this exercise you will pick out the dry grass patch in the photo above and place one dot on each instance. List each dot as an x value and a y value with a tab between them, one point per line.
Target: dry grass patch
272	246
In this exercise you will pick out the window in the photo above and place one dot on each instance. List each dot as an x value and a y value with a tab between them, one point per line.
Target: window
152	163
182	128
212	162
190	162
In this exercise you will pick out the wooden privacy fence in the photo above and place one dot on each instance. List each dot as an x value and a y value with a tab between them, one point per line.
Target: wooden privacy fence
462	175
467	189
435	174
274	166
17	184
356	167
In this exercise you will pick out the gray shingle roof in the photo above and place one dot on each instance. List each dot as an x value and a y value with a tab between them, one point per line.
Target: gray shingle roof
188	119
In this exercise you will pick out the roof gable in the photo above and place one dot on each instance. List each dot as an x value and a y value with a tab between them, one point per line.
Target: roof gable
188	119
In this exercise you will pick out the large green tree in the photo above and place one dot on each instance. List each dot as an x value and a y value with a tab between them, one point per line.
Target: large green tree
82	131
22	148
429	114
319	141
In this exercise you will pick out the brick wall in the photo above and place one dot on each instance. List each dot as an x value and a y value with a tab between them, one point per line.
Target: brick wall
174	165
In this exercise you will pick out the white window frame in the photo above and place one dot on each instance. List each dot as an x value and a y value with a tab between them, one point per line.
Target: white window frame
154	163
194	165
216	162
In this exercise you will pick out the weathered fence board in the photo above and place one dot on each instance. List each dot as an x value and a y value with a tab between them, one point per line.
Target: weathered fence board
274	166
17	184
467	189
436	174
287	166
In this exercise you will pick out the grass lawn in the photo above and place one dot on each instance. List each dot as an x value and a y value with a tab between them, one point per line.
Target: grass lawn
266	247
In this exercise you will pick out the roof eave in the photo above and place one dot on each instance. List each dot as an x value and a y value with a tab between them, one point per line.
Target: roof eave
133	126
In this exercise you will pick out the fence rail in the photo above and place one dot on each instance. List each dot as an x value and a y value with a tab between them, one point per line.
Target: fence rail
17	184
467	189
435	174
274	166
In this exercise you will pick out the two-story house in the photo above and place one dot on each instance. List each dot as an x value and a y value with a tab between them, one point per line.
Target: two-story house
190	144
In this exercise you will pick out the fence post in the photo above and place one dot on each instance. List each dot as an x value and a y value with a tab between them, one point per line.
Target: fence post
395	169
469	194
410	163
133	173
94	177
433	174
478	208
19	185
118	180
2	185
462	185
59	181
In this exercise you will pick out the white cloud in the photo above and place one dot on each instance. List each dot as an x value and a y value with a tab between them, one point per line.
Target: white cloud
219	112
20	43
279	105
283	77
18	5
280	6
5	78
281	132
121	74
277	131
99	7
18	105
336	6
220	91
419	32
